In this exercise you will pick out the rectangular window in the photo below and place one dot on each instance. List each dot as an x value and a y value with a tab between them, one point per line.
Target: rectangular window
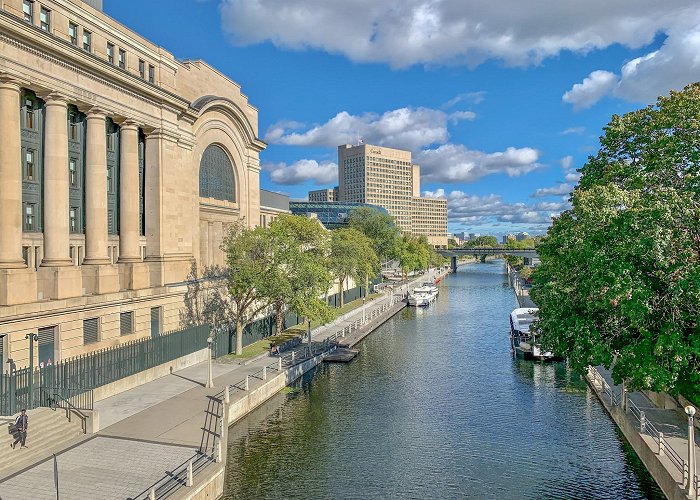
91	330
73	33
3	351
155	321
29	114
122	58
110	53
142	68
45	19
29	165
28	10
73	214
25	255
30	217
73	172
110	180
110	142
151	73
72	128
46	340
126	323
87	40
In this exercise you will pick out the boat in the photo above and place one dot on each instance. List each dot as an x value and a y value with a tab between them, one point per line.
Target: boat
431	287
423	295
522	340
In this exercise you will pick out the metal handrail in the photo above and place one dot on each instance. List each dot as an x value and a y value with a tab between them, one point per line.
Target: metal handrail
71	408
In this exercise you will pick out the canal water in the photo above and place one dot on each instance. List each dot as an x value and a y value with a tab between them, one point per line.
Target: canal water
435	406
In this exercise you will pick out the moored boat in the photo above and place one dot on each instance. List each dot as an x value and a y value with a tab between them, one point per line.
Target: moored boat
523	340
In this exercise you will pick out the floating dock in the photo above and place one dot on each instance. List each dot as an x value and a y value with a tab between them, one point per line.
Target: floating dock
341	355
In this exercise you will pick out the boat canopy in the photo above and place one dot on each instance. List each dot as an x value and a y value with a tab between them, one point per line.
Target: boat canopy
522	317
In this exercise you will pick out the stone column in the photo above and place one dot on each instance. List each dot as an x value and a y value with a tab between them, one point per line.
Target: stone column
129	194
56	246
96	190
10	178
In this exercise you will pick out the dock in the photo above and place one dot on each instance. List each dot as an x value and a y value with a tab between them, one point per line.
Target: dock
341	355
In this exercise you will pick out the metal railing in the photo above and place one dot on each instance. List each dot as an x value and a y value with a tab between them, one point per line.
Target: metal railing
98	368
645	426
58	401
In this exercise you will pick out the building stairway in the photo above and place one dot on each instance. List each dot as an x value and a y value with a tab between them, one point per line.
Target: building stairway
49	432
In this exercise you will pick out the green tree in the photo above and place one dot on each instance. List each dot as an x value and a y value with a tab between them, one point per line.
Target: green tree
352	256
300	277
619	282
380	228
482	241
250	257
414	254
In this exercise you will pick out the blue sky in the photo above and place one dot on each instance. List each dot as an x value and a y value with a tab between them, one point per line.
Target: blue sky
500	102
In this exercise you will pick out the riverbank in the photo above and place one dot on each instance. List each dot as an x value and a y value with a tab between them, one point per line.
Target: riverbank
657	434
154	436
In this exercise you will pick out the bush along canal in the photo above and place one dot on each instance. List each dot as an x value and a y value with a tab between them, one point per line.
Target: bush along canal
435	406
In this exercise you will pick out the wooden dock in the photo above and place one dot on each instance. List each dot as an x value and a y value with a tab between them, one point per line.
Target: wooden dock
341	355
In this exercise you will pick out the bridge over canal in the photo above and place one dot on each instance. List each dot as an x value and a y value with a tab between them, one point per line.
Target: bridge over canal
529	254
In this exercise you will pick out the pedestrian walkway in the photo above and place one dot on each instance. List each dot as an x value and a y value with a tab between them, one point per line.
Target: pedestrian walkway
166	420
663	430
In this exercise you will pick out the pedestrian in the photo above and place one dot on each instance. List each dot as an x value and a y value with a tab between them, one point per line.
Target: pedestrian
21	426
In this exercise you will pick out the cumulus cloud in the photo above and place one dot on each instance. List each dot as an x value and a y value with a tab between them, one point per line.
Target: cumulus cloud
302	171
405	128
407	32
563	188
456	163
673	66
489	210
591	90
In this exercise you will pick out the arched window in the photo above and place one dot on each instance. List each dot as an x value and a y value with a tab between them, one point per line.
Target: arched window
216	175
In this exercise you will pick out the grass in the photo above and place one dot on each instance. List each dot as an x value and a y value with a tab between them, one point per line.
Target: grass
263	345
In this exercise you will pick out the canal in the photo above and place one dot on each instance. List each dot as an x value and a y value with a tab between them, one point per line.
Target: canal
435	406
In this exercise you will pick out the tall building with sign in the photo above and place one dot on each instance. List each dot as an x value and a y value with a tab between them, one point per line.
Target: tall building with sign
119	167
388	178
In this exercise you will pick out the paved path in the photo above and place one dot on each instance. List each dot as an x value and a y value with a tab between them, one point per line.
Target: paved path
150	429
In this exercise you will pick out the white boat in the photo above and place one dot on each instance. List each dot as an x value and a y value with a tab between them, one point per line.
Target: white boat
423	295
522	340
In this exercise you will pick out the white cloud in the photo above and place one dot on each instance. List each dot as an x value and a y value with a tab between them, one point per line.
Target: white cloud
438	193
573	130
559	190
673	66
302	171
469	97
566	162
407	32
591	90
405	128
456	163
490	210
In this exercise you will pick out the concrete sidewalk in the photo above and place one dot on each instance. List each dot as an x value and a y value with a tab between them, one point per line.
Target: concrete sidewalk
164	420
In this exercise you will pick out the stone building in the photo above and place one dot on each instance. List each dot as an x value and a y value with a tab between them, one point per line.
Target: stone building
387	177
323	195
119	166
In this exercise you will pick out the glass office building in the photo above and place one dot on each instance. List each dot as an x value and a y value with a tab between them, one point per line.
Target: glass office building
331	214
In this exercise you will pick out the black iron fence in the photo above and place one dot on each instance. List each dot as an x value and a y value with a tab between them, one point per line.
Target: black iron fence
24	388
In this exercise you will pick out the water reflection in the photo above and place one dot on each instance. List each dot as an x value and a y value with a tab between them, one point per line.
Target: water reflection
435	406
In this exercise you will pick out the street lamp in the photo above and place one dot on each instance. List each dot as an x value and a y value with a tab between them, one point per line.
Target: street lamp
309	330
210	381
363	310
32	337
690	411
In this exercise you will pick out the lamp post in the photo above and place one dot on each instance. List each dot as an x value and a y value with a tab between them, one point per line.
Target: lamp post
309	330
32	337
363	310
210	380
690	411
11	372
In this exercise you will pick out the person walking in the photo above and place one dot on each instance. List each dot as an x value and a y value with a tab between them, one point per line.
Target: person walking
21	426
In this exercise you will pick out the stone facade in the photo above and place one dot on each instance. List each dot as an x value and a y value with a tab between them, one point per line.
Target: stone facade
119	166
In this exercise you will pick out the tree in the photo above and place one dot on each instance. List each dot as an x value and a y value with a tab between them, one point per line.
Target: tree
251	262
619	282
352	256
300	277
414	254
380	228
482	241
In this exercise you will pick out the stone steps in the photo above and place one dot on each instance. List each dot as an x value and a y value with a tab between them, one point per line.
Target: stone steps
48	430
